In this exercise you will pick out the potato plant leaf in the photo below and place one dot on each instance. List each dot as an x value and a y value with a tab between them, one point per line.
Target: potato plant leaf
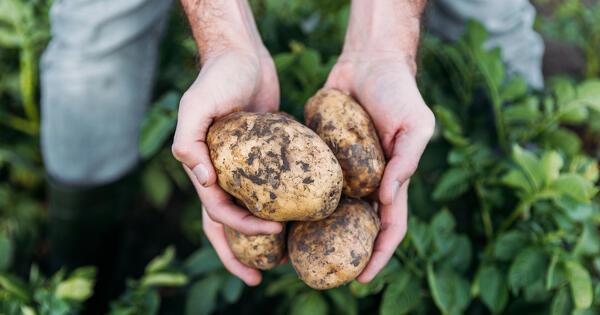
493	288
580	283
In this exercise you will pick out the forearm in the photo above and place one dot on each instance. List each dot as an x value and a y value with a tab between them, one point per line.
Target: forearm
384	27
220	25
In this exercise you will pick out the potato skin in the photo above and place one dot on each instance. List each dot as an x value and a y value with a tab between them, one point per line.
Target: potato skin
335	250
348	130
258	251
280	169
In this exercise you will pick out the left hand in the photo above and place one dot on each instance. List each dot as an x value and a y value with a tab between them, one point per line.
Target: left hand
384	84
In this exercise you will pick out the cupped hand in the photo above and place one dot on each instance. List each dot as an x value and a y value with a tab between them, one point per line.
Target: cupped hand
231	81
384	84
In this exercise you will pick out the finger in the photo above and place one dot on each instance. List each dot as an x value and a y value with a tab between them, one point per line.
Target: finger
407	150
216	235
189	146
222	209
393	229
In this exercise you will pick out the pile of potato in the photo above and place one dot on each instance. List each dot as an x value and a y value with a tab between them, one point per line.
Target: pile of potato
281	170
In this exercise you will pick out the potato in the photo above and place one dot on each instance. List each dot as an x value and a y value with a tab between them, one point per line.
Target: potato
335	250
258	251
280	169
348	130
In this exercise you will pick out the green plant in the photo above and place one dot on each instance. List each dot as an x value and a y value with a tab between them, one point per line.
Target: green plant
577	22
62	294
142	296
504	211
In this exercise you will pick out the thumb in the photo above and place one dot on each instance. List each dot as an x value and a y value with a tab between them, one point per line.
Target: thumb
189	145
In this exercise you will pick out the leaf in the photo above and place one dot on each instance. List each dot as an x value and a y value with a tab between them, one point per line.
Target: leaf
552	162
447	119
562	139
561	304
376	285
283	61
530	165
6	252
493	289
574	186
164	279
289	284
157	186
580	283
232	289
402	295
461	255
450	292
202	297
443	222
453	183
522	113
161	262
309	303
10	39
202	261
589	93
420	235
158	125
576	211
515	88
556	275
517	179
528	267
491	67
588	243
75	288
475	34
563	90
15	287
573	112
535	292
343	301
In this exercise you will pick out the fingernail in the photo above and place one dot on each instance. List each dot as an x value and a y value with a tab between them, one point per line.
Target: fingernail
201	174
395	187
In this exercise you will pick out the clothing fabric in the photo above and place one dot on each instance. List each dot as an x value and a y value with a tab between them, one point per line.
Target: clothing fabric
96	80
97	73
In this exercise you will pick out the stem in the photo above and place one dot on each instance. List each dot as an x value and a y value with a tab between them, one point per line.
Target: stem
28	77
486	218
522	207
498	115
20	124
517	212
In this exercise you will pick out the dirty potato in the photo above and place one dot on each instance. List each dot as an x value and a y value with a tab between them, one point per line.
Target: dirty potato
348	130
280	169
258	251
333	251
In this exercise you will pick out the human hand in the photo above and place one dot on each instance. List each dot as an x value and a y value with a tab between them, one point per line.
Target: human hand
384	84
229	82
237	74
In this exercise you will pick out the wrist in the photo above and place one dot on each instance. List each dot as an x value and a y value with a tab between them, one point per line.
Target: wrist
384	28
223	26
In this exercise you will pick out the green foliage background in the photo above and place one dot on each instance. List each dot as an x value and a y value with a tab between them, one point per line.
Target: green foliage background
504	212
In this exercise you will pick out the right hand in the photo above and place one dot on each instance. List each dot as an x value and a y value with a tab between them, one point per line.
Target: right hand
231	81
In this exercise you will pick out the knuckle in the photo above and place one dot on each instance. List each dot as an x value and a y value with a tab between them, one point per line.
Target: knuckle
180	151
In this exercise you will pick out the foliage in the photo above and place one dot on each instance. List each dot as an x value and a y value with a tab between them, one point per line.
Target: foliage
577	22
504	210
62	294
